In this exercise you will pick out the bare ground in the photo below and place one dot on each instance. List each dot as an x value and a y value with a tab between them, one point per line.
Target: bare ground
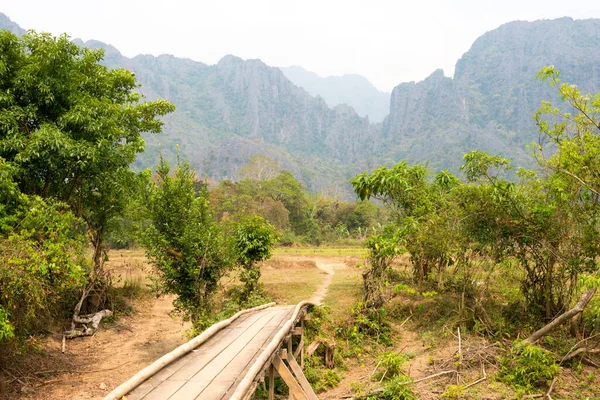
97	364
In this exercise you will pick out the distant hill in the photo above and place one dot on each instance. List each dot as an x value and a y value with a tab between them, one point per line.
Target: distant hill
228	112
353	90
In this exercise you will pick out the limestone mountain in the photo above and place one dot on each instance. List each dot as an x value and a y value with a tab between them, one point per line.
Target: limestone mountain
353	90
8	24
491	99
228	112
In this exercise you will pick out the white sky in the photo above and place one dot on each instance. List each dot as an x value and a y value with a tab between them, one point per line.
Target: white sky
386	41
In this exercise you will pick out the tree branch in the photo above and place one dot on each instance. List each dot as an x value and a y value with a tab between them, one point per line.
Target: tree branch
567	315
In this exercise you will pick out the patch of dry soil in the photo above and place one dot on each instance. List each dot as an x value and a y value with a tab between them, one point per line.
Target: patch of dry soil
114	354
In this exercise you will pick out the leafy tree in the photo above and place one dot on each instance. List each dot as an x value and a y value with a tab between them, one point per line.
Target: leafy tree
286	189
70	127
420	211
254	241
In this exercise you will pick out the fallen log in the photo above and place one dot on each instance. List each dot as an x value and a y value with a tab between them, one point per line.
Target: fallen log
567	315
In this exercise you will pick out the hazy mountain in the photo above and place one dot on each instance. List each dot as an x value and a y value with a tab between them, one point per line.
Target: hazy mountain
491	99
228	112
6	23
353	90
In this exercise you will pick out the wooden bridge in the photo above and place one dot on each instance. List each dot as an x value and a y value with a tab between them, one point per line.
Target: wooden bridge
230	359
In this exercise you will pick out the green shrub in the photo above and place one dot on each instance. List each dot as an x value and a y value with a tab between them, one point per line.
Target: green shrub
41	261
7	331
189	251
397	388
527	368
391	365
254	239
319	377
454	392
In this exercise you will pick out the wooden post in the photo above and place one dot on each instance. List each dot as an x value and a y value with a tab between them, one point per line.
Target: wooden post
302	344
271	382
290	350
302	379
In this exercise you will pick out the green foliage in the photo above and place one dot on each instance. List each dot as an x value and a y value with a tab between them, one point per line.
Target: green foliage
41	261
546	226
254	240
320	377
7	331
389	365
70	127
286	204
397	388
365	326
454	392
187	248
527	368
383	249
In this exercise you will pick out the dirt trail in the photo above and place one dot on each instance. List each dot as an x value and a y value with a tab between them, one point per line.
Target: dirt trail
115	352
321	291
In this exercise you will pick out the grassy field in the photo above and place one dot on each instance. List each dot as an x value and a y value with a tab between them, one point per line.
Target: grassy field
291	286
344	291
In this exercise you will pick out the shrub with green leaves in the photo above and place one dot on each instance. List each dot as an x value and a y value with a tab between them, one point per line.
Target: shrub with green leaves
389	365
7	331
254	240
188	249
397	388
528	367
41	260
320	377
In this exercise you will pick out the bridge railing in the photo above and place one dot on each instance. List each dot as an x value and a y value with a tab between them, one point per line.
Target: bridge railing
271	361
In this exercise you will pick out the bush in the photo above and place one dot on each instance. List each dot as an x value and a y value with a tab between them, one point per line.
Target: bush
40	262
7	331
391	365
254	239
527	368
397	388
188	249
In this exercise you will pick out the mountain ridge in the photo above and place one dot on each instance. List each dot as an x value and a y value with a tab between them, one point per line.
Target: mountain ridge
234	109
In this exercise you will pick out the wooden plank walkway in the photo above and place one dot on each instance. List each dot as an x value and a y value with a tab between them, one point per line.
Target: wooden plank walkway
216	367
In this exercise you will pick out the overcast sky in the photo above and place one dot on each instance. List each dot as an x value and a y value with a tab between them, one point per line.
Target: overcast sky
386	41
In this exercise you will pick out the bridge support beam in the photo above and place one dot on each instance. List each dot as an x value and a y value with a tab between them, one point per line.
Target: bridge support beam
301	391
285	365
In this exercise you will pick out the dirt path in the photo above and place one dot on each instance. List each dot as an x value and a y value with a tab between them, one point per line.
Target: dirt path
321	291
114	353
